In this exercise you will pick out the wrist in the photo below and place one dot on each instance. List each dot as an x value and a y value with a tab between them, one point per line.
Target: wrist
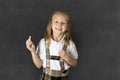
67	58
33	51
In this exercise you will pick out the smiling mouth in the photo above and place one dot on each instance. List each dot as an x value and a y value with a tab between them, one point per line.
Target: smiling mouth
59	29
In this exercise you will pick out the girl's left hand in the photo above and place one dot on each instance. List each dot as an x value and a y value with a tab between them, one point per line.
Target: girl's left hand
63	54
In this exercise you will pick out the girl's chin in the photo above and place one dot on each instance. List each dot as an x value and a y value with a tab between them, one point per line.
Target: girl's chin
59	33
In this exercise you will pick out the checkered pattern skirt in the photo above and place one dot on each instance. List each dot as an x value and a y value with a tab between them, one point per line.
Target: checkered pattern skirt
49	77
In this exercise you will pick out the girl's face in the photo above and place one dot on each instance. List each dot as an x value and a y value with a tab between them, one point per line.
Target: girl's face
59	24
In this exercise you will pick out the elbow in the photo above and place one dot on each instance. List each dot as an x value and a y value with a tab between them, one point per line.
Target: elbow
74	63
39	66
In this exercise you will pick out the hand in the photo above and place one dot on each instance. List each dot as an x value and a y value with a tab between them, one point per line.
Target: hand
63	54
30	45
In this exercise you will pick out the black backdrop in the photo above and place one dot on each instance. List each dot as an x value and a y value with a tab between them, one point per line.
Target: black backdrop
95	30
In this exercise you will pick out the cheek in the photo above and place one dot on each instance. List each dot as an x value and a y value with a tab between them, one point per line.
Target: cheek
65	28
53	26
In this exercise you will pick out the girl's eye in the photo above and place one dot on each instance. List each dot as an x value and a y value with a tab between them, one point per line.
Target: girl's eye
62	23
56	21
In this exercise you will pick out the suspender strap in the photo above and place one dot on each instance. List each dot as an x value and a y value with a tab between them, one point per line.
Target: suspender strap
47	59
61	60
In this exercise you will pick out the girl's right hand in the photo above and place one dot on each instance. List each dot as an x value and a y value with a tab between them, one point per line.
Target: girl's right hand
30	45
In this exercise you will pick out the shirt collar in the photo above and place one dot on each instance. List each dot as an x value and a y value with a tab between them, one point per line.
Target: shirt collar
62	40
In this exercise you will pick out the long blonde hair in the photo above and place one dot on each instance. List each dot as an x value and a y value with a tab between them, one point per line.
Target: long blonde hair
49	33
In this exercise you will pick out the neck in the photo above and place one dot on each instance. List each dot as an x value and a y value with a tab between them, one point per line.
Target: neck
57	37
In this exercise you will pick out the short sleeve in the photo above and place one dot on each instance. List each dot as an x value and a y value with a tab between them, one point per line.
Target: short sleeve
72	50
40	48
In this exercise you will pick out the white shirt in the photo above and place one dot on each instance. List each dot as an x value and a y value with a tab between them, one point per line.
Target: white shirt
54	49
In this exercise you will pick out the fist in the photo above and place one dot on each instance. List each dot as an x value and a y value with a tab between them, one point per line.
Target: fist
30	45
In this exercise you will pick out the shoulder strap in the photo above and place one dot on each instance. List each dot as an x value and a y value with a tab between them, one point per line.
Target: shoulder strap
61	60
47	55
47	59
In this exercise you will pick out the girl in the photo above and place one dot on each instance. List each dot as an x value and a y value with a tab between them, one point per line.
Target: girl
56	52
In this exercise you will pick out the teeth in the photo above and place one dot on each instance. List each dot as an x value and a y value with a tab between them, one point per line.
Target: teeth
59	29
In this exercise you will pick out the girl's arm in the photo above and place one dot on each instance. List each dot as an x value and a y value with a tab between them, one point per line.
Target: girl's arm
31	47
72	62
37	61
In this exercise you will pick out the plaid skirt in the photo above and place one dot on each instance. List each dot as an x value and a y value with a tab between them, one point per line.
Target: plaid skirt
49	77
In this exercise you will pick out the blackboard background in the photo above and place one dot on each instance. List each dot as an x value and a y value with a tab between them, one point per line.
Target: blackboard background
95	30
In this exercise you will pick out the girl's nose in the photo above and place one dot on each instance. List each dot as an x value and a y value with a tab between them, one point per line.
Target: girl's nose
60	24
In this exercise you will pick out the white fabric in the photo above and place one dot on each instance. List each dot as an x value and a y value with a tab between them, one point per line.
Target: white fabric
54	48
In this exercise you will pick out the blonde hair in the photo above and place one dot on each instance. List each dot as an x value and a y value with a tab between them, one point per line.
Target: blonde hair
49	33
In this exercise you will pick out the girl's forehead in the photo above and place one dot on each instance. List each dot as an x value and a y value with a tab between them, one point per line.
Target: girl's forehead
62	16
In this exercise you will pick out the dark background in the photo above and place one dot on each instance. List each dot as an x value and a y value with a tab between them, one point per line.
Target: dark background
95	30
